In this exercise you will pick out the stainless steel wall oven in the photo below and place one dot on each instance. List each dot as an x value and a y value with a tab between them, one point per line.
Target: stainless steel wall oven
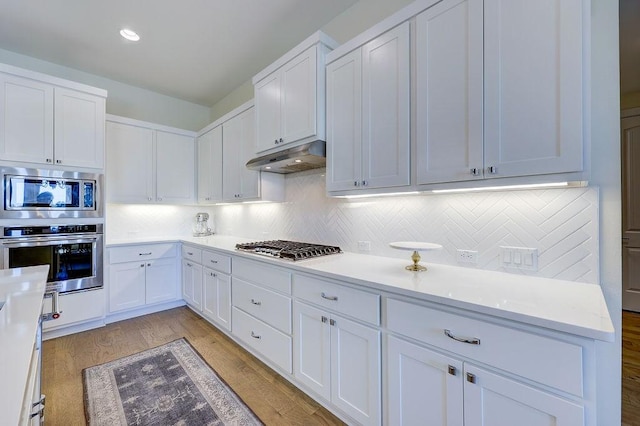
73	253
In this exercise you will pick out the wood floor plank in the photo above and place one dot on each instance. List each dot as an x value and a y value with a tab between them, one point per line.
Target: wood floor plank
271	397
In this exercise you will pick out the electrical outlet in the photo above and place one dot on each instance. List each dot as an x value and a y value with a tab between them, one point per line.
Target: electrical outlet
467	256
364	245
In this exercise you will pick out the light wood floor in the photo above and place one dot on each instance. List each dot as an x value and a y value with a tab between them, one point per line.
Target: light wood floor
270	396
630	368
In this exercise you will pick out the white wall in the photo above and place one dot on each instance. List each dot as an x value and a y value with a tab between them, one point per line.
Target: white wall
123	99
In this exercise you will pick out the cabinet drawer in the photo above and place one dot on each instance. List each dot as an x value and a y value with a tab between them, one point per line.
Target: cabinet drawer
542	359
349	301
265	275
76	308
216	261
192	253
141	252
271	343
270	307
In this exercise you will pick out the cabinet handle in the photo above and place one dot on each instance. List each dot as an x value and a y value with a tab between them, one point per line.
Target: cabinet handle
48	160
364	183
475	172
159	198
255	336
471	340
150	199
324	319
356	183
275	141
471	378
145	254
190	253
214	261
213	274
142	265
58	161
189	265
492	170
324	296
332	322
281	141
148	264
452	370
256	302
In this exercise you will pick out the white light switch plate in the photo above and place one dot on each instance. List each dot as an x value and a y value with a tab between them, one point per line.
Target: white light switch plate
524	258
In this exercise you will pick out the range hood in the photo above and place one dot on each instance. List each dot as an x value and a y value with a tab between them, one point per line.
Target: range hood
311	155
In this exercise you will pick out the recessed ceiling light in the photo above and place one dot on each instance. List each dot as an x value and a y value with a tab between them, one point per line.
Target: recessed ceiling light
129	34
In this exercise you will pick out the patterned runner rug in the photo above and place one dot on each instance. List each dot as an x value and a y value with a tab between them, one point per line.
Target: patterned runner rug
167	385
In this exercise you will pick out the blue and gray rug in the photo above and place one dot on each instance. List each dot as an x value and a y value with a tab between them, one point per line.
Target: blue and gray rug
167	385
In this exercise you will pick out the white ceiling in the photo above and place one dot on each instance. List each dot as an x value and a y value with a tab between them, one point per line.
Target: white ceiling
629	46
196	50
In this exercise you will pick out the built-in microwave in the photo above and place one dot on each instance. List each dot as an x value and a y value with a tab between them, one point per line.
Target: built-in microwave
50	194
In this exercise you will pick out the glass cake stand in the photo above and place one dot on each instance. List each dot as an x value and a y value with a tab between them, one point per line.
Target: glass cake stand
416	247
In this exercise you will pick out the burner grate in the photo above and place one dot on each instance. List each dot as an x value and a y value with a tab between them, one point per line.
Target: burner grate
291	250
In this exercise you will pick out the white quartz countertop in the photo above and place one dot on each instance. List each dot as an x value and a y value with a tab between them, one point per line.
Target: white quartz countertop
566	306
22	290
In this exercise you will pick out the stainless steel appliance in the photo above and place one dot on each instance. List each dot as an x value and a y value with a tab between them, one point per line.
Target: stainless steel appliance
311	155
73	253
291	250
201	227
50	194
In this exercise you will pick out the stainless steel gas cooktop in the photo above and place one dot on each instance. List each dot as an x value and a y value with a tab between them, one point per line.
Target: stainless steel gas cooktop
291	250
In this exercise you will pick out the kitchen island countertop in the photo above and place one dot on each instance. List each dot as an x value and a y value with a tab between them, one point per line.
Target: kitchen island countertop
566	306
22	290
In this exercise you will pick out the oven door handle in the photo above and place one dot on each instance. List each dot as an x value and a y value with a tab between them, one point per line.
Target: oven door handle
46	241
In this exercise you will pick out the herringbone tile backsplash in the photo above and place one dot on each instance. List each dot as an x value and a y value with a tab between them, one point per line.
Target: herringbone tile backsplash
561	223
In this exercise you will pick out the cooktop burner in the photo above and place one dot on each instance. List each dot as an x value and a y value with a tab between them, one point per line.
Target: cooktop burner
291	250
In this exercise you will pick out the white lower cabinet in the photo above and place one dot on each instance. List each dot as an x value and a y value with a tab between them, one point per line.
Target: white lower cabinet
76	308
192	284
339	359
142	275
216	300
532	380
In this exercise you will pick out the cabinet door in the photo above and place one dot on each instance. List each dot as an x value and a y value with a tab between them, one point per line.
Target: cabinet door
449	92
161	279
533	103
422	383
79	129
26	120
493	400
298	97
344	122
174	168
311	349
239	183
385	109
126	285
129	163
355	370
268	115
209	148
216	303
192	284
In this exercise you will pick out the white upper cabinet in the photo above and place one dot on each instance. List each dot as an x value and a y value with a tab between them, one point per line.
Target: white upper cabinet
449	87
368	99
147	163
290	96
224	148
43	123
209	153
79	128
239	183
533	74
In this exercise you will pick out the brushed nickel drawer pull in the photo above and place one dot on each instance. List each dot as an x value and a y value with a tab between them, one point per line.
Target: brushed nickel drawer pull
471	378
452	370
255	336
144	254
471	341
190	253
256	302
324	296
